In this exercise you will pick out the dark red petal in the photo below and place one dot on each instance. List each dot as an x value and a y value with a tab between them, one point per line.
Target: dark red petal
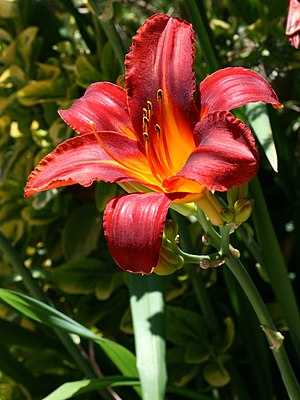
226	155
229	88
293	23
133	227
78	160
161	57
103	103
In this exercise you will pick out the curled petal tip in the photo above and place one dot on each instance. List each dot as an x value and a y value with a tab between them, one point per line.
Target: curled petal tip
133	227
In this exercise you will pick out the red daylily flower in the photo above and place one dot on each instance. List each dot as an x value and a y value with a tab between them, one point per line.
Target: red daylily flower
153	138
293	23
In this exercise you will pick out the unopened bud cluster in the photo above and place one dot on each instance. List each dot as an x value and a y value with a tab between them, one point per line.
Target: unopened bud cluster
169	258
240	211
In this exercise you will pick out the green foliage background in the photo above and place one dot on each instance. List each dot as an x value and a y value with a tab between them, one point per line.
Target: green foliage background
52	245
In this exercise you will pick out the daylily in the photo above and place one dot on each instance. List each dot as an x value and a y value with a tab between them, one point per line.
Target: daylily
156	141
293	23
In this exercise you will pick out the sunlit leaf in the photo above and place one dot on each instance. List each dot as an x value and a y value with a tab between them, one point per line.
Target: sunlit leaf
147	308
47	315
70	389
258	117
81	233
41	91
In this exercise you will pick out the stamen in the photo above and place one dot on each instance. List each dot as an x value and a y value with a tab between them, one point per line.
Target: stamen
149	106
146	136
145	124
157	129
159	95
145	112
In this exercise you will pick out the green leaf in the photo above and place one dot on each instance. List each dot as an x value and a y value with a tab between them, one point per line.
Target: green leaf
147	308
216	374
78	277
41	91
81	233
107	283
257	115
184	326
105	191
15	369
8	9
13	334
86	72
70	389
47	315
196	353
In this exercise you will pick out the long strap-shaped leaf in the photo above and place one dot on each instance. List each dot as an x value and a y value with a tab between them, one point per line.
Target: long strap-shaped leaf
70	389
40	312
147	308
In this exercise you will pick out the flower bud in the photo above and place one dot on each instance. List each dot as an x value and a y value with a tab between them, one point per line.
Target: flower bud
171	230
168	262
227	214
242	209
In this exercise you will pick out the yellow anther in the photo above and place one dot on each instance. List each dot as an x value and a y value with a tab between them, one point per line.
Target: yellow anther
157	128
146	136
145	112
145	124
149	106
159	95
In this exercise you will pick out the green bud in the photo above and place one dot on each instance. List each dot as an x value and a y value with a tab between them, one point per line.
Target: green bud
227	214
168	262
242	209
275	338
171	230
232	195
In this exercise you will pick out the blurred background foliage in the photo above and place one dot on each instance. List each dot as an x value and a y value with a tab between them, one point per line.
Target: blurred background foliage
50	52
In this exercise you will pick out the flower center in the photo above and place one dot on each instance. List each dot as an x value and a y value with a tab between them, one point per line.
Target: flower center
155	140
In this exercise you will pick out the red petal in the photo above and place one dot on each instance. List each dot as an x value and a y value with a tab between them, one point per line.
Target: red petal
226	156
103	103
133	227
229	88
78	160
161	57
293	23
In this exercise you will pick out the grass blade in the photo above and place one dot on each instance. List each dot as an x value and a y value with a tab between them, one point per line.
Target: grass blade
147	308
70	389
47	315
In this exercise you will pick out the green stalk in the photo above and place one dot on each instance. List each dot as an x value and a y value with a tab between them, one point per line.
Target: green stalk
274	264
262	313
195	274
147	309
104	14
271	254
198	17
287	373
35	289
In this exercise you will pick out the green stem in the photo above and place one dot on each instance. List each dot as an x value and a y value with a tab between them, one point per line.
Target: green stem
35	289
198	17
104	11
287	373
197	280
238	270
274	264
115	40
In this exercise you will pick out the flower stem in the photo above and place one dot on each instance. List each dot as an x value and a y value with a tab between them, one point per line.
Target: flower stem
198	17
287	373
274	264
236	267
196	277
